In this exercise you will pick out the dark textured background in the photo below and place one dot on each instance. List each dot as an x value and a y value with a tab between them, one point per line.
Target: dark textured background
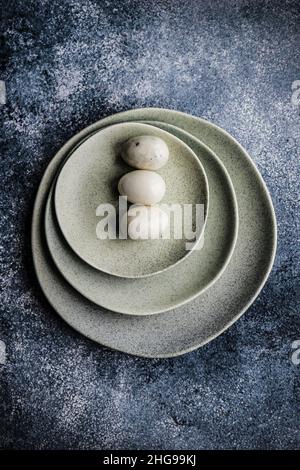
68	63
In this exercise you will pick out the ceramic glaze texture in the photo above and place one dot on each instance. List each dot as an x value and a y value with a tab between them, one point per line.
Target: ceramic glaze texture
252	258
144	222
172	287
66	64
88	181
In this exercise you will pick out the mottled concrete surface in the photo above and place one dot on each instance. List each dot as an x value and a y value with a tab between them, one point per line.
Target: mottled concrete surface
68	63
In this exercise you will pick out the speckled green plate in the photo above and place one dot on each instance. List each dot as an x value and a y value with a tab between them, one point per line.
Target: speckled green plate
89	177
167	289
194	324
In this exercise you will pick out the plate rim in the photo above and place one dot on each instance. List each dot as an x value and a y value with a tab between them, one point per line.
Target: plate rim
235	216
273	242
69	156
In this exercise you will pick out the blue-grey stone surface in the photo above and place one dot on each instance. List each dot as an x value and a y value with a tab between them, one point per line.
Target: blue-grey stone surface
66	64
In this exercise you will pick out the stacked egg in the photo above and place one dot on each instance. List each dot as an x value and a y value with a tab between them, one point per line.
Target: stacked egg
144	187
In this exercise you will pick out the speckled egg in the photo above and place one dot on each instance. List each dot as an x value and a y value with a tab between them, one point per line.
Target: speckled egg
146	222
145	152
142	187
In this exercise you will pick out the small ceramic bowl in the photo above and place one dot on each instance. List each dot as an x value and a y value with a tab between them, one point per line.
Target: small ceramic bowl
89	178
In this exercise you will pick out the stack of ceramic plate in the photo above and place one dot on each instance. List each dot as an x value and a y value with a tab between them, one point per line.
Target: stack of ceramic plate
144	298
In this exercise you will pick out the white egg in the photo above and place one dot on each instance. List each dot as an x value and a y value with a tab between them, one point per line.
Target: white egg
145	152
146	222
142	187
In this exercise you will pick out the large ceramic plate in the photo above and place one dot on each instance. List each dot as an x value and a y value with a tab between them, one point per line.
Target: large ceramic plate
188	327
171	288
89	179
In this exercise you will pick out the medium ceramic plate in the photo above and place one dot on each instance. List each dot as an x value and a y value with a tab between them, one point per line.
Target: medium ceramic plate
198	322
173	287
89	178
